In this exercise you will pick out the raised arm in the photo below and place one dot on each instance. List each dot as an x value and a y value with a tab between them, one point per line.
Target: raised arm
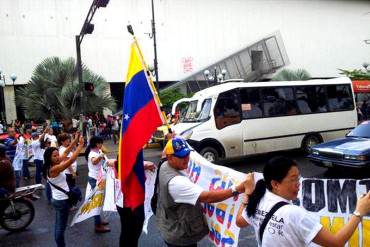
55	170
70	147
249	188
326	238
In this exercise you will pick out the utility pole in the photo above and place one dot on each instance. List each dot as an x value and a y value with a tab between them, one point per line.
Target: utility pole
87	28
155	49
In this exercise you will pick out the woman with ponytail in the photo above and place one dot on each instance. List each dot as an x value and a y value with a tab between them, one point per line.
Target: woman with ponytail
55	173
289	225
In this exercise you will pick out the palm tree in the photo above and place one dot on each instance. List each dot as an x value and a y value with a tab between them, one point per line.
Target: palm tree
54	93
292	75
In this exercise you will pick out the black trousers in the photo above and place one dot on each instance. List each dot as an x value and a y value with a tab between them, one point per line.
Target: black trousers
131	225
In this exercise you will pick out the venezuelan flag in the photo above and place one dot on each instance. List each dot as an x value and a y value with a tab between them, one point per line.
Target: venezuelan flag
141	117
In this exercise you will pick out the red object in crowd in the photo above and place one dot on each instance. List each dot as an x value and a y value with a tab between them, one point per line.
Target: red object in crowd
362	86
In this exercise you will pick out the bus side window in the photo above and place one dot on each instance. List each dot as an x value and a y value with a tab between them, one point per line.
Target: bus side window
339	98
279	102
227	109
251	103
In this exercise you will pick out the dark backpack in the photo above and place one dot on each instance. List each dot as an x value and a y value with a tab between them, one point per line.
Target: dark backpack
154	200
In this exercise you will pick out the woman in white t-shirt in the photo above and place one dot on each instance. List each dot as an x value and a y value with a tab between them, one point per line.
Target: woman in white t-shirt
95	159
65	152
290	225
55	168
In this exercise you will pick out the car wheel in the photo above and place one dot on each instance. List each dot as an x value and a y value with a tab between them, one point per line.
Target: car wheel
310	141
210	154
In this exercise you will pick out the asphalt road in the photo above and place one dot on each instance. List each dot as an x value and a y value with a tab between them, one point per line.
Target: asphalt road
41	232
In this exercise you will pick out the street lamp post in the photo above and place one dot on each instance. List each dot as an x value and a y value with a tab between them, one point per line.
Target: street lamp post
214	77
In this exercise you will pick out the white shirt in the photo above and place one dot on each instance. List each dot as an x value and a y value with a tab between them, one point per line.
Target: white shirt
183	190
1	129
21	149
52	139
60	181
94	169
290	225
38	152
74	164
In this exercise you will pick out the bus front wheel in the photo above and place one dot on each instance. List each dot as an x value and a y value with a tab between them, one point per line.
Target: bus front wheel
210	154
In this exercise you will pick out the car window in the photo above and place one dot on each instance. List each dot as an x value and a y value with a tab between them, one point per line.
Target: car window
363	130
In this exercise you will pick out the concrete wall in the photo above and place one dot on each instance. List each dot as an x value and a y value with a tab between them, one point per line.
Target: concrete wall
319	36
10	109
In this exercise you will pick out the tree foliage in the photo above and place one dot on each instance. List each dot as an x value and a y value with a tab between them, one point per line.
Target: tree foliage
53	91
169	97
292	75
357	74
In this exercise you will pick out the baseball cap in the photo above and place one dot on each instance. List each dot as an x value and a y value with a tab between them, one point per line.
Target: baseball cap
178	147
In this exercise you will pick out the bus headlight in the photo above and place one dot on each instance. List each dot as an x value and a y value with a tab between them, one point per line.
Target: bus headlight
187	134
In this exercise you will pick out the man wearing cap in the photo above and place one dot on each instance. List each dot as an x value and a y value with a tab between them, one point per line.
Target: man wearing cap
179	213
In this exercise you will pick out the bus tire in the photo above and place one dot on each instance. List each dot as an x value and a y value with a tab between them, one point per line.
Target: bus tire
210	154
309	141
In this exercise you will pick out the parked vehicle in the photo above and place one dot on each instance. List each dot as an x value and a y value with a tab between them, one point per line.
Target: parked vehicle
239	119
352	151
17	210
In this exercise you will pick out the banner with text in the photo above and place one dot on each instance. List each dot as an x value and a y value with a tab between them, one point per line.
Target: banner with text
331	201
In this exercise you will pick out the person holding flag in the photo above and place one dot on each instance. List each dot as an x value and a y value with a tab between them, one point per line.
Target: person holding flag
140	119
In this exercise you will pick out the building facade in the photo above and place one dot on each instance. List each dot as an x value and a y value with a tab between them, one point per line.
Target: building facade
319	36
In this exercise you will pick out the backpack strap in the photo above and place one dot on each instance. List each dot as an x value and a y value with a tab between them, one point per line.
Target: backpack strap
57	187
268	217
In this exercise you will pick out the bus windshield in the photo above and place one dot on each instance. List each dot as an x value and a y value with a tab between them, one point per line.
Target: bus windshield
192	115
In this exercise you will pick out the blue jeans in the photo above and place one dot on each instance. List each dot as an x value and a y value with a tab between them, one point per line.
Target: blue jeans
18	175
92	182
25	171
61	220
48	192
38	177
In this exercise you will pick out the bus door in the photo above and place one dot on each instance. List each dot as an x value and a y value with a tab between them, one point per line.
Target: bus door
251	119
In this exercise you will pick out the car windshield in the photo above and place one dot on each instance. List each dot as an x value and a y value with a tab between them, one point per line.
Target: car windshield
193	116
363	130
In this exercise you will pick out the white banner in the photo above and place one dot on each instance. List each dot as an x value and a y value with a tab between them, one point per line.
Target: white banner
331	201
220	216
92	205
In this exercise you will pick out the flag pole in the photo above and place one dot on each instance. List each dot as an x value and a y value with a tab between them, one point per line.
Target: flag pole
151	83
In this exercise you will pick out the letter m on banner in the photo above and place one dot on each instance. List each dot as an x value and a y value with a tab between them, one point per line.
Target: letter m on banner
140	118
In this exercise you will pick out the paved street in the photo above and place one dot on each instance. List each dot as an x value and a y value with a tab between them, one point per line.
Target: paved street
40	232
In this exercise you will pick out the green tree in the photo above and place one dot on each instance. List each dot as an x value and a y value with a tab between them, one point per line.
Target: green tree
53	92
169	97
357	74
292	75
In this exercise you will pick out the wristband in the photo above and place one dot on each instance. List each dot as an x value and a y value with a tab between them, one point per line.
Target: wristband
357	214
233	190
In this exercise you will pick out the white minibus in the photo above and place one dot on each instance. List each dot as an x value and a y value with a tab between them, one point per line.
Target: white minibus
247	118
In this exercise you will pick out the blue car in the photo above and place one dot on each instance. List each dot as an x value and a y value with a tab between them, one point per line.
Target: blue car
353	151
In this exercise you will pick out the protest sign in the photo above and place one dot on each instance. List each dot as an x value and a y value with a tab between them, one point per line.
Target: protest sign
331	201
92	205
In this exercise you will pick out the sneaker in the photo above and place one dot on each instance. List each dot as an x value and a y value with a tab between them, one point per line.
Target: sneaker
101	229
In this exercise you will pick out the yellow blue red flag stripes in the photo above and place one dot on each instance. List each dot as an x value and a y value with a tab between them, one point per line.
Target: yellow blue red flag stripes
141	117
